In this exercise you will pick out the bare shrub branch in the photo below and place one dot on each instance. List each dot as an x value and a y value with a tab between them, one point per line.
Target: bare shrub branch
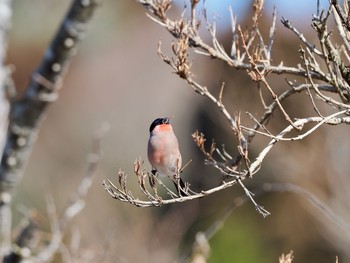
321	75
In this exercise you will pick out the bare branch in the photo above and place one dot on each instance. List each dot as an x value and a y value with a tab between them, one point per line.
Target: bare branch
254	167
25	241
272	35
340	26
249	52
312	47
216	51
5	72
27	112
311	198
76	204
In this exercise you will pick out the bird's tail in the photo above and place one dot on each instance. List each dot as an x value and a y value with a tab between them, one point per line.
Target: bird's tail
182	187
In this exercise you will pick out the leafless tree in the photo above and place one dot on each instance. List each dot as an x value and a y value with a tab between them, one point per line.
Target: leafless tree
20	120
252	53
322	75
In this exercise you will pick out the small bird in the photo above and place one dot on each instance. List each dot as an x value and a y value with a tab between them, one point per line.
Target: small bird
163	152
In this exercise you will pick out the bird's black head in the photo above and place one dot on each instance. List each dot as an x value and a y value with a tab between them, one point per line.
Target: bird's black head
159	121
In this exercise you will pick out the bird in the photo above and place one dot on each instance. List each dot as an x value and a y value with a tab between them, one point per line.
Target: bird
163	152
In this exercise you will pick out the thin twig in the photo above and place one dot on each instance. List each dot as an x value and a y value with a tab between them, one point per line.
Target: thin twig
272	35
76	204
311	198
254	167
328	100
156	8
258	75
288	24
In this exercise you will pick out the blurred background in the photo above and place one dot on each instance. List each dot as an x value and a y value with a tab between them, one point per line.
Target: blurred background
118	78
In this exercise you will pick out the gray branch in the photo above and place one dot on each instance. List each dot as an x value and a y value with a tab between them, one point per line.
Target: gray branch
28	111
5	24
24	243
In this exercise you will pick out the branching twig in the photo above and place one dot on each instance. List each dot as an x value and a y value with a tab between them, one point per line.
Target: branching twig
204	237
249	52
332	120
288	24
158	9
323	208
77	202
